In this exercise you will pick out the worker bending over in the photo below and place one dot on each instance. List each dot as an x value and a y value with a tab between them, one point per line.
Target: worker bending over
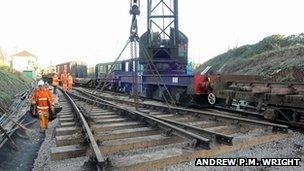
64	80
55	83
43	100
70	81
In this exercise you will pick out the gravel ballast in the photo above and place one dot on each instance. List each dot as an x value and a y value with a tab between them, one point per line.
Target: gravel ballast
43	159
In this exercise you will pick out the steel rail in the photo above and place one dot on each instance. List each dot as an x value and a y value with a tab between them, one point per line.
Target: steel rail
197	140
221	138
238	111
276	127
100	160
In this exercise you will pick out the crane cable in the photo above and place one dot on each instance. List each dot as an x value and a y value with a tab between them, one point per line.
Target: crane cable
132	40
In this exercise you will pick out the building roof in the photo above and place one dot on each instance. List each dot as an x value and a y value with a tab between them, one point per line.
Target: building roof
23	54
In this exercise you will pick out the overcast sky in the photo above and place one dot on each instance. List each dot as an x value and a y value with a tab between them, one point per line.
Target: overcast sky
96	30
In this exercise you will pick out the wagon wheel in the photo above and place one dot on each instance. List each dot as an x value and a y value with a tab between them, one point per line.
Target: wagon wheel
211	98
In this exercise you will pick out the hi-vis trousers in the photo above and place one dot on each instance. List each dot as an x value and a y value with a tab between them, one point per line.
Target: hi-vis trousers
43	119
64	87
70	86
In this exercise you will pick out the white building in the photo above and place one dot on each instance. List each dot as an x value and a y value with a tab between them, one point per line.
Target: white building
26	63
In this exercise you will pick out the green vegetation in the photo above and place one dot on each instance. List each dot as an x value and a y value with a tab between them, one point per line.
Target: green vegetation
287	78
11	83
237	59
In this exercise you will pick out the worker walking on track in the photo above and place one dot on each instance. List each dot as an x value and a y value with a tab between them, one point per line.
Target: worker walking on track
55	83
48	91
51	105
64	80
70	81
44	102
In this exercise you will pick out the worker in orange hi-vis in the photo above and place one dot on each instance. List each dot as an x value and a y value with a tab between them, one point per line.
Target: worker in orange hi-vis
70	81
48	91
55	83
52	97
42	99
64	80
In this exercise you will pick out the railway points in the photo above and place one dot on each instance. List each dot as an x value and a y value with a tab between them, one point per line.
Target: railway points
120	130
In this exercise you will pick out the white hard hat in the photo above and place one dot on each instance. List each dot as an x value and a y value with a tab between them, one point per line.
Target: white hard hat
40	83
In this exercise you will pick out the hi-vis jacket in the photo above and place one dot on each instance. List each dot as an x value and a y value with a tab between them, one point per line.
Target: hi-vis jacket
70	79
55	81
43	99
64	78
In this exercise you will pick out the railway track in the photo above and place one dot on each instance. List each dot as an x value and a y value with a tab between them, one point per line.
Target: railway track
146	105
216	109
74	137
118	137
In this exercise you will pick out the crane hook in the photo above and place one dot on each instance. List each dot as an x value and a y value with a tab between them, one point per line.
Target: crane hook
134	7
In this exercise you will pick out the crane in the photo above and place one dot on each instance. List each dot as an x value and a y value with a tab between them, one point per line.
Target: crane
165	43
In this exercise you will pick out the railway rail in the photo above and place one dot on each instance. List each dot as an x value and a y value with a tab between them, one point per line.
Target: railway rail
74	136
217	115
118	137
